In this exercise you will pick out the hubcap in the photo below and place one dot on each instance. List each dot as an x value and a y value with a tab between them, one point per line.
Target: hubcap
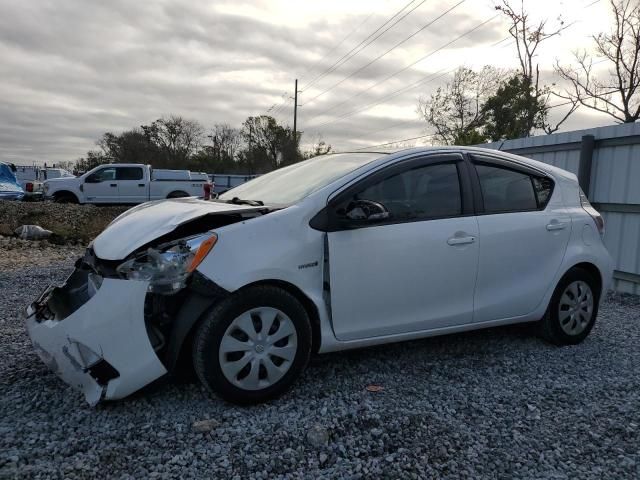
258	348
576	308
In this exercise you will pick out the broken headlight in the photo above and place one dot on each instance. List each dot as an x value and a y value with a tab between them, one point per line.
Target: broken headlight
167	267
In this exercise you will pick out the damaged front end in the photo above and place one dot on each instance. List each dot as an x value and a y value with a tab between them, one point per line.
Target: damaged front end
91	332
120	319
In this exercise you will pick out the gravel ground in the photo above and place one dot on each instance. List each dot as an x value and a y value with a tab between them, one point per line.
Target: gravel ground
490	404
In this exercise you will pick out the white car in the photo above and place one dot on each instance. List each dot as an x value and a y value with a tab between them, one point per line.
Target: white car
337	252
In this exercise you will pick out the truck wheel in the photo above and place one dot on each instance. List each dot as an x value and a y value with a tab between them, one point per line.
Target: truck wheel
65	197
253	345
178	194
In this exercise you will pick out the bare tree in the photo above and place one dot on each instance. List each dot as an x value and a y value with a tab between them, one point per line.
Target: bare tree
177	137
528	36
318	147
456	111
618	95
225	141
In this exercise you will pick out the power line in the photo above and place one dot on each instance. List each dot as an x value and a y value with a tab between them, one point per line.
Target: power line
468	32
422	81
395	141
335	47
427	79
364	43
406	39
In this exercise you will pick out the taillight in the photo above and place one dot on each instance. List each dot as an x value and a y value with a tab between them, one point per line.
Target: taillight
597	218
29	187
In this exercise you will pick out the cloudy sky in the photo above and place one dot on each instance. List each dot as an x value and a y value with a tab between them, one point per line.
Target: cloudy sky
72	69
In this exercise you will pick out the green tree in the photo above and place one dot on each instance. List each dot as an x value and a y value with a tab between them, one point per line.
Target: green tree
513	111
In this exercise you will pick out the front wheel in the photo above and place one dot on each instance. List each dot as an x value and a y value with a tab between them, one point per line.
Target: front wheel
573	309
253	345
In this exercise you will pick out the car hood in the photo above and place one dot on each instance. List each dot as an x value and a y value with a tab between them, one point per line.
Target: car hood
146	222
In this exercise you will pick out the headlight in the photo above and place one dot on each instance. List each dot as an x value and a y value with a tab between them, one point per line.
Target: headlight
168	266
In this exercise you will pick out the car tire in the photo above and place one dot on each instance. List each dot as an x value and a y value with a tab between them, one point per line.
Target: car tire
572	310
238	359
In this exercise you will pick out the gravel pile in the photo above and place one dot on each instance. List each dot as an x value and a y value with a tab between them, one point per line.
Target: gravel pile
66	221
489	404
16	253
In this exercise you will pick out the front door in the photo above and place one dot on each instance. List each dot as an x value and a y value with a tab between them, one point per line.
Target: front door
101	186
416	269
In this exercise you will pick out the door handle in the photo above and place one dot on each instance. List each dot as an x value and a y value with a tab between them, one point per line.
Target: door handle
556	226
113	185
461	240
141	184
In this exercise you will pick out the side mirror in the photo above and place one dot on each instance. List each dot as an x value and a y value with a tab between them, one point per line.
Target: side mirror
366	211
91	179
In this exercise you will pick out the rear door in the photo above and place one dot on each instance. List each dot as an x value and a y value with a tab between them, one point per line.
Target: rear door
415	270
132	186
524	231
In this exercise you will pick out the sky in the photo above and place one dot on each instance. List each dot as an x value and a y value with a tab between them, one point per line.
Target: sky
71	70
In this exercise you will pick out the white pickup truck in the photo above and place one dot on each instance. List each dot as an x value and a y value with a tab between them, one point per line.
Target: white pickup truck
126	183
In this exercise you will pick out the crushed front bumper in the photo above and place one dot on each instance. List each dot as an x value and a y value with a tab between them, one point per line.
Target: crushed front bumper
91	332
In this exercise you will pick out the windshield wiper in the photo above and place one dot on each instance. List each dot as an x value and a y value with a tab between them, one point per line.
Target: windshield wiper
242	201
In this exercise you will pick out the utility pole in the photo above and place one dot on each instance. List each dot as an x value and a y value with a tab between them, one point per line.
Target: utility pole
295	110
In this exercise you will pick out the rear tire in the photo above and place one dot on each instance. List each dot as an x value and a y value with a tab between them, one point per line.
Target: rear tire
253	345
572	310
178	194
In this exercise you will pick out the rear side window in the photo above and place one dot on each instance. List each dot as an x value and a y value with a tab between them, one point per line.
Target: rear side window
129	173
543	187
506	190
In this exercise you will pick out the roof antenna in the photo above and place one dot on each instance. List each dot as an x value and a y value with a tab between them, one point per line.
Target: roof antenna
501	144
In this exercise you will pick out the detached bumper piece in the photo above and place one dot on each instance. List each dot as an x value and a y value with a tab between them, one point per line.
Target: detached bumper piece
91	332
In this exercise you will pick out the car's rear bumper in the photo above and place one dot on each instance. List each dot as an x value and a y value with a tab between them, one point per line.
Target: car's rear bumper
92	334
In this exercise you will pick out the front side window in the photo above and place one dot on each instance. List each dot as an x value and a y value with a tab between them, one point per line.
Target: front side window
129	173
103	175
420	193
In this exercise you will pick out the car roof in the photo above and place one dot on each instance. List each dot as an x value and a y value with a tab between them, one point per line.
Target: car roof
516	159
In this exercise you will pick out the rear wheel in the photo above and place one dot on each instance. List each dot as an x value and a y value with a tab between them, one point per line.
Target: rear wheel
178	194
253	345
573	309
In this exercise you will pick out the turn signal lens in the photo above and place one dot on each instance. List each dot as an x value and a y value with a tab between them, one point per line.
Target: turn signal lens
203	250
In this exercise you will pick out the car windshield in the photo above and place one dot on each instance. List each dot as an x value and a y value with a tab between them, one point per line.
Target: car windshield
289	185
